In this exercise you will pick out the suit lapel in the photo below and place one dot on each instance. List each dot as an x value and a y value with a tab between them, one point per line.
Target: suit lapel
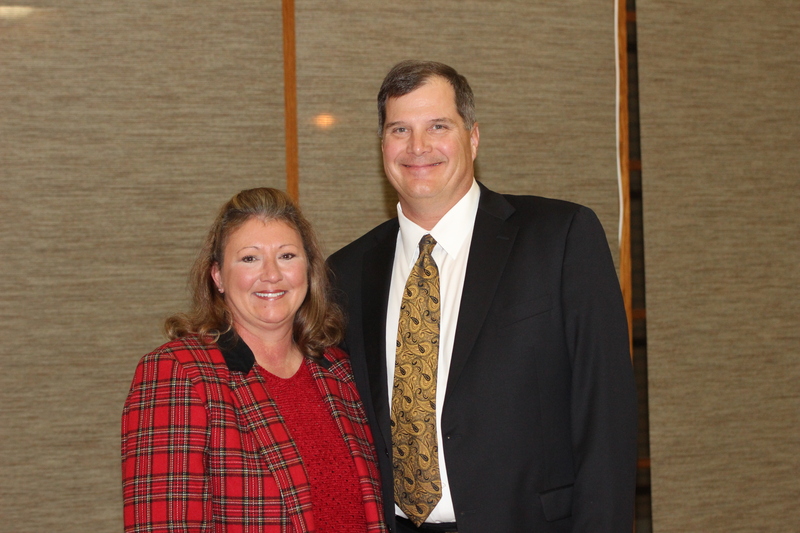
377	277
492	240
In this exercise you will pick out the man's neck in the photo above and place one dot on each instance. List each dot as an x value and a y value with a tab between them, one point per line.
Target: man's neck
424	219
427	213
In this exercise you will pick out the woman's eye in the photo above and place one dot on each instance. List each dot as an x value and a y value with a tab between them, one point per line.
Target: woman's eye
248	258
288	255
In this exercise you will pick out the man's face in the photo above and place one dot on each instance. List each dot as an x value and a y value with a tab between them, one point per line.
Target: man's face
428	154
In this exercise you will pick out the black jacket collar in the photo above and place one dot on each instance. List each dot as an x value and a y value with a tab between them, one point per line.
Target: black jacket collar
239	357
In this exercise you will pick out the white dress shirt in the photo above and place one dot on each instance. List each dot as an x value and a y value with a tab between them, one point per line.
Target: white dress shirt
453	234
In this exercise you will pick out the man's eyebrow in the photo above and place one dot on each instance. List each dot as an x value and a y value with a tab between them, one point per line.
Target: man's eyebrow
438	120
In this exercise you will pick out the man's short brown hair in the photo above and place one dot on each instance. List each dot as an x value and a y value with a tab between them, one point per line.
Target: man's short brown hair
409	75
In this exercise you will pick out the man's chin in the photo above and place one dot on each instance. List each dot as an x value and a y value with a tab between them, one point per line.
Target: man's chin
421	191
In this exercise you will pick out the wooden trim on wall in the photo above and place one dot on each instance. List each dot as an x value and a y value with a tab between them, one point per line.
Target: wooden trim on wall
623	142
290	100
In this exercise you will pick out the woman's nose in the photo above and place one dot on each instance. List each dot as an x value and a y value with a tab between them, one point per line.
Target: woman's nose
271	271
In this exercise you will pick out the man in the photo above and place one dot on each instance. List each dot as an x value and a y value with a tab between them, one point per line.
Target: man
500	313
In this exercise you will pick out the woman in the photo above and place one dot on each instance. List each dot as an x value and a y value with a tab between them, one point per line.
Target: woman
248	420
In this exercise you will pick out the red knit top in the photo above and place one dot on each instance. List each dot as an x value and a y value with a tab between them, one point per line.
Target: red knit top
335	490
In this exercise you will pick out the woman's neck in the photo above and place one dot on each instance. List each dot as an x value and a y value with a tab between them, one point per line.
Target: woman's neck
279	356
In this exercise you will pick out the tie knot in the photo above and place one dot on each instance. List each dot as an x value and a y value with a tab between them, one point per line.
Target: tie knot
426	244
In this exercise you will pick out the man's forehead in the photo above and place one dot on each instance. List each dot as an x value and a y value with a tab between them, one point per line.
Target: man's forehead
425	99
433	82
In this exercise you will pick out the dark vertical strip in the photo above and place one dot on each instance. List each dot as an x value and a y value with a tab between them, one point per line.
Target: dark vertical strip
644	522
290	101
623	145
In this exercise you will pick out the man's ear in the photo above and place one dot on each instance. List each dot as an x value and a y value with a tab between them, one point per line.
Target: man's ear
475	139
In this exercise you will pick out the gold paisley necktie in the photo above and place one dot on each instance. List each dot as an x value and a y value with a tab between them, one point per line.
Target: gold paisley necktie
417	487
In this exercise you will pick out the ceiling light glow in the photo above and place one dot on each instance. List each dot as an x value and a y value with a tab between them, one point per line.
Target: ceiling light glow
15	12
324	121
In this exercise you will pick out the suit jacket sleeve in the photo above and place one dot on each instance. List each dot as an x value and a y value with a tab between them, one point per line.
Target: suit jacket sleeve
603	407
164	429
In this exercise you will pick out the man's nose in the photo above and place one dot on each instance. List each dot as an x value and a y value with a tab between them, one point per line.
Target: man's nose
419	143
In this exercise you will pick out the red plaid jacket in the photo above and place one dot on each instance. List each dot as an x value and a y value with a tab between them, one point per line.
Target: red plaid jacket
204	448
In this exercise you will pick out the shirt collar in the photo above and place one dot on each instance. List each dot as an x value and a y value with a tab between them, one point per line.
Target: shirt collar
450	232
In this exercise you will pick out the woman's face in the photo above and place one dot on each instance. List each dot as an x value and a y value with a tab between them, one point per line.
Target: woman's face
263	277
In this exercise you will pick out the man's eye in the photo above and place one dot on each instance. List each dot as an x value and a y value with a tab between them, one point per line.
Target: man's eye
439	127
399	130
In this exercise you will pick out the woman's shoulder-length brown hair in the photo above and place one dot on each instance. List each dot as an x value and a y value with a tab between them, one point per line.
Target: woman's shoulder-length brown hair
318	324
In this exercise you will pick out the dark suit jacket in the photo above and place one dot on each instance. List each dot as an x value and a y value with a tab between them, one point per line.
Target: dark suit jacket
539	416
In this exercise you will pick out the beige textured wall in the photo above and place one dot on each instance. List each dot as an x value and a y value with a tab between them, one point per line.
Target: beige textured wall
543	77
719	93
124	125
